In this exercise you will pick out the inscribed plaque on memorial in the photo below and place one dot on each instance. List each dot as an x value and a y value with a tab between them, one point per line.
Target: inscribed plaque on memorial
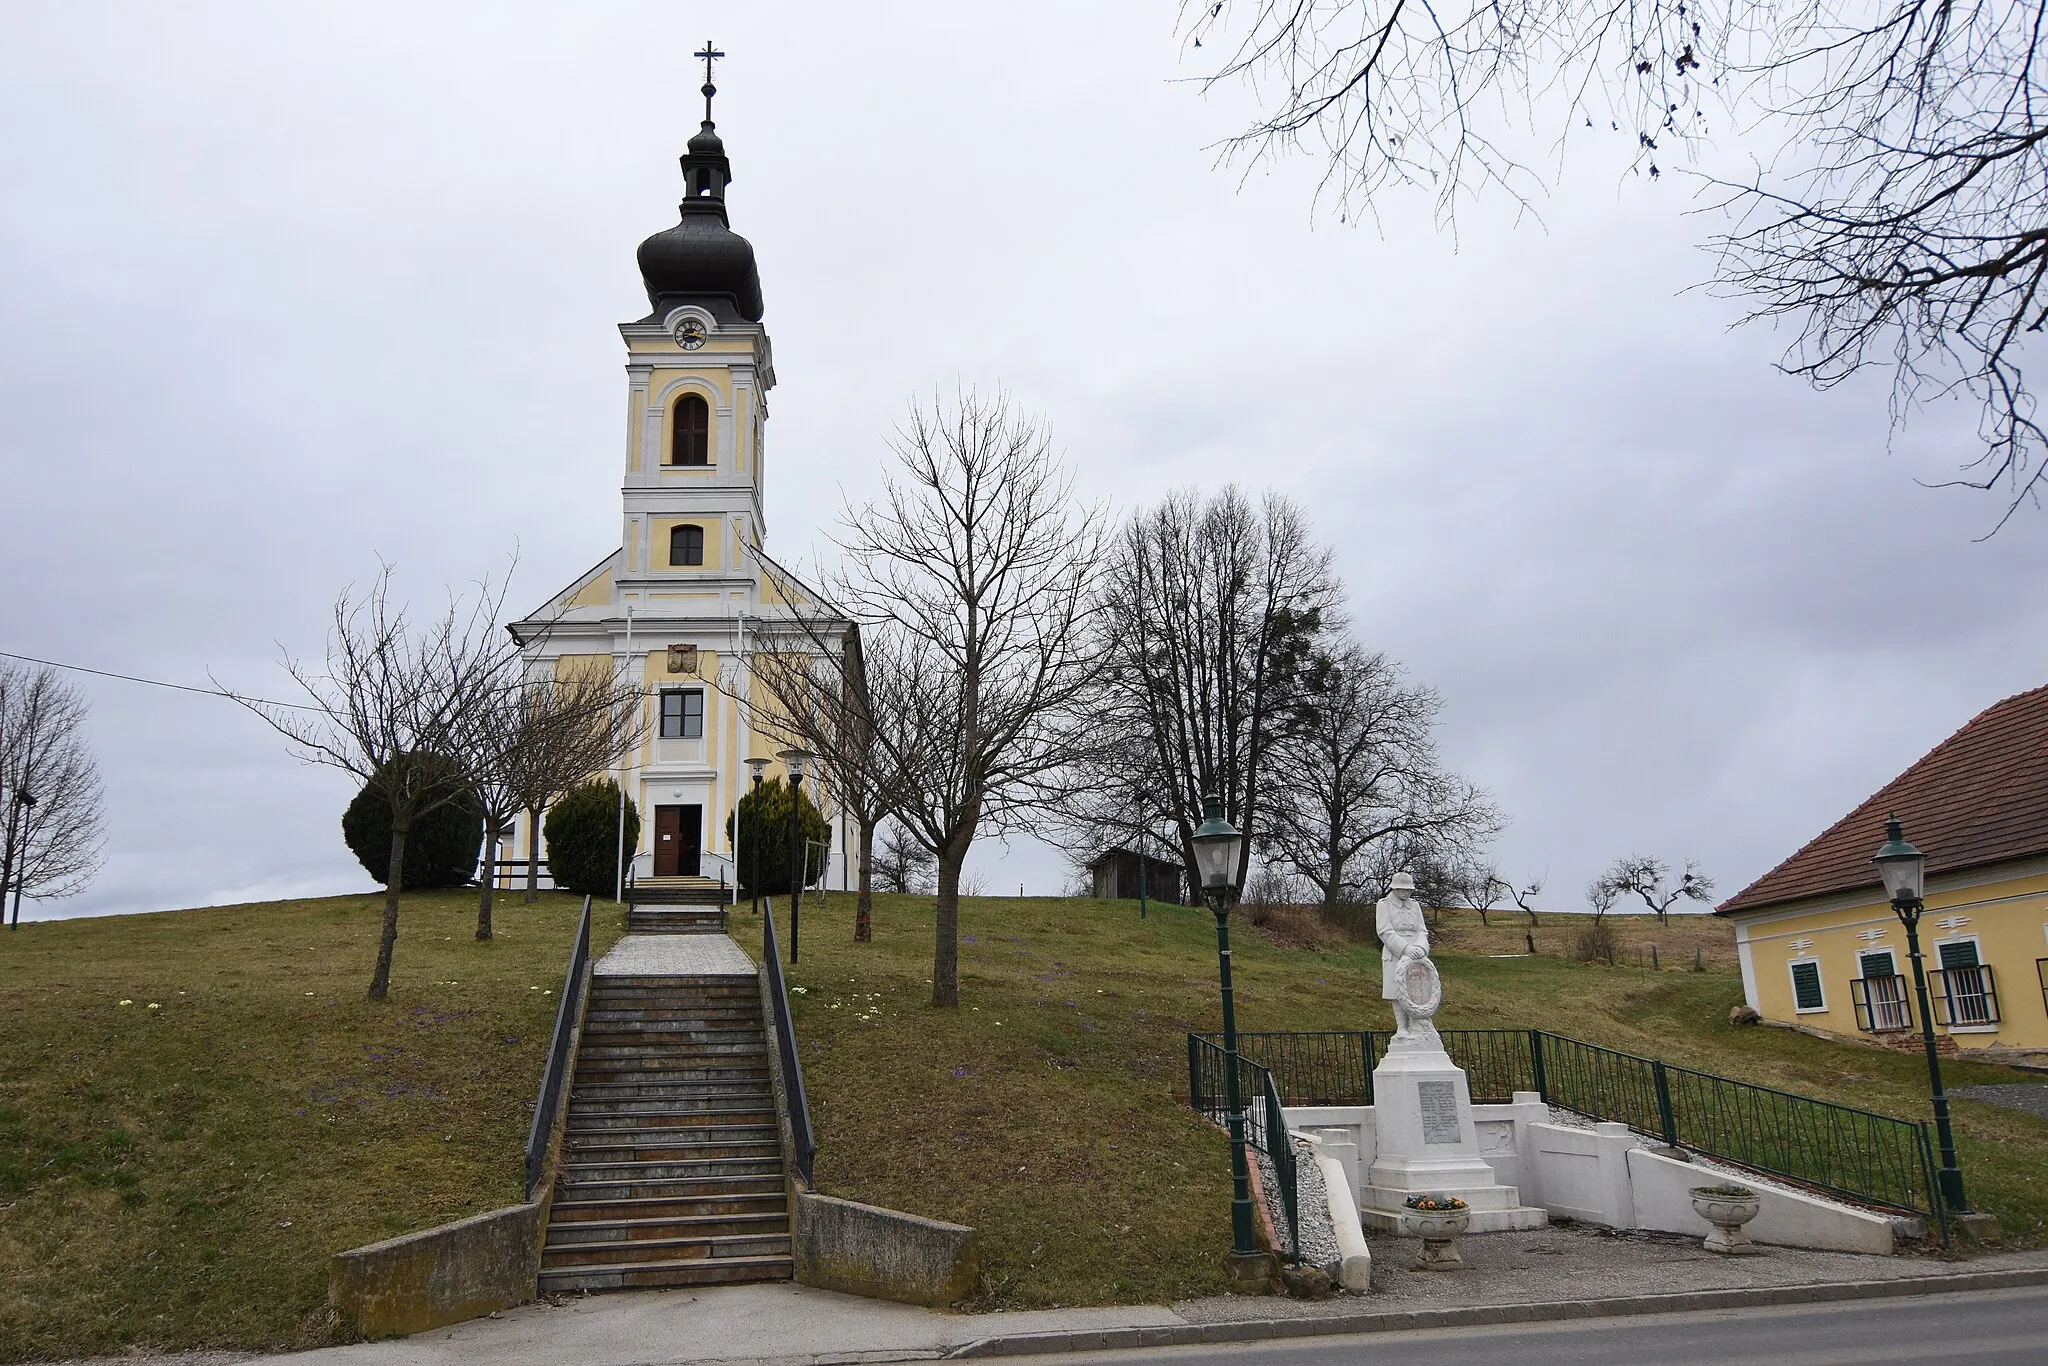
1437	1099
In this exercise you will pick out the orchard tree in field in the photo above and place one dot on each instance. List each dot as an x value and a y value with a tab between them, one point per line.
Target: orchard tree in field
973	568
1357	769
50	806
1484	890
1642	876
1897	215
397	706
1525	899
1205	620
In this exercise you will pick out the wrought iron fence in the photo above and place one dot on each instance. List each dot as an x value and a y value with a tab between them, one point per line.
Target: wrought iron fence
567	1013
1838	1149
1265	1119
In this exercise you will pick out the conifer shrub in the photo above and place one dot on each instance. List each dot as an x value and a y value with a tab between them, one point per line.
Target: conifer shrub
440	849
583	838
767	818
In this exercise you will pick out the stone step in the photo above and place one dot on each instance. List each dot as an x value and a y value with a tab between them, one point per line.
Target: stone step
611	1033
722	1090
738	1008
713	981
685	1146
594	1122
670	1135
575	1175
631	1208
580	1232
682	1100
605	1194
645	1250
654	1275
700	1052
621	1077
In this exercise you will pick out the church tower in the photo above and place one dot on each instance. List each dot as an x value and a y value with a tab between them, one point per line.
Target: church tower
681	600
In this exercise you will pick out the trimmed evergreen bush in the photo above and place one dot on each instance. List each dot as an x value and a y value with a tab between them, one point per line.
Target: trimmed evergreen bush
440	849
583	838
773	830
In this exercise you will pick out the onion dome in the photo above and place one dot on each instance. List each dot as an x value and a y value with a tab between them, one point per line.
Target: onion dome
701	259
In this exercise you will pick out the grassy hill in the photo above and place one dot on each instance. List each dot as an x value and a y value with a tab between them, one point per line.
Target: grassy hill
197	1107
177	1177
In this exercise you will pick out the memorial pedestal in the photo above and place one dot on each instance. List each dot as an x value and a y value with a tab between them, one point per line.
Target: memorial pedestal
1427	1145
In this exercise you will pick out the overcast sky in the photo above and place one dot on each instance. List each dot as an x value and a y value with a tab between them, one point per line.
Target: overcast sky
287	289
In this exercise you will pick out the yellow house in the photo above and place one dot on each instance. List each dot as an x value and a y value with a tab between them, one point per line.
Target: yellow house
689	599
1821	947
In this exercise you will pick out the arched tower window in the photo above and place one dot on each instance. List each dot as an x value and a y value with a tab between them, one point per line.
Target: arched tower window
685	545
692	445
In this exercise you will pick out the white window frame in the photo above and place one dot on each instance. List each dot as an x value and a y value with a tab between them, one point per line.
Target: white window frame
1976	944
1819	980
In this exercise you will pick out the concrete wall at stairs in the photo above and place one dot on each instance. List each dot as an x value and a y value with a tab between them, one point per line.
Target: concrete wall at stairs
440	1276
883	1254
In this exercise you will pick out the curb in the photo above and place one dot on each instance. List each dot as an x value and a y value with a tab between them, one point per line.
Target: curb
1409	1320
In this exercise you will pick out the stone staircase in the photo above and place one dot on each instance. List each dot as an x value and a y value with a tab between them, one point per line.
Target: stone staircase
676	905
671	1170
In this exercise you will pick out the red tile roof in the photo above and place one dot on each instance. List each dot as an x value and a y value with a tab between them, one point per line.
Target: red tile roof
1978	797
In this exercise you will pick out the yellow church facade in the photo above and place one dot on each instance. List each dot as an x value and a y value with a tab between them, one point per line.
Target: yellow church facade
1821	947
689	596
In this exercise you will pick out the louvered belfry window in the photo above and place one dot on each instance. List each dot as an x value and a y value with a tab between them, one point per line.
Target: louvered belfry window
692	444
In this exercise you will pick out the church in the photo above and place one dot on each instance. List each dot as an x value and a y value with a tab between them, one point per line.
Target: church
689	594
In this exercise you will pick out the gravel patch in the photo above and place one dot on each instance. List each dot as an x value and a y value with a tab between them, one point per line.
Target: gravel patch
1312	1203
2029	1096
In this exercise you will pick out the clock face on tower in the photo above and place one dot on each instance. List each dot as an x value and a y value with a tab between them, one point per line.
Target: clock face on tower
690	333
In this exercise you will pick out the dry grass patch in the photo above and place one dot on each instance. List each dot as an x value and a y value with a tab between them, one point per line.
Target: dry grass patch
175	1171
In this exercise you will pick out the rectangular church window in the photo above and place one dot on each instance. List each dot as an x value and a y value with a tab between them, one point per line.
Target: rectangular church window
682	714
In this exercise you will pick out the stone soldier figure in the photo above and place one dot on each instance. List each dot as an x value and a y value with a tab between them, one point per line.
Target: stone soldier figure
1404	940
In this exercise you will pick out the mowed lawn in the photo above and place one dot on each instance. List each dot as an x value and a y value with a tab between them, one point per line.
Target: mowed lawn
178	1177
175	1171
1044	1111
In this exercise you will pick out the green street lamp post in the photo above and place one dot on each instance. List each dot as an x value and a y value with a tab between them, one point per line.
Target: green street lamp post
1218	844
1904	870
795	759
754	840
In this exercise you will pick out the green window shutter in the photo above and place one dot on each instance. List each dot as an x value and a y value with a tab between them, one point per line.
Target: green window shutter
1877	964
1806	993
1962	954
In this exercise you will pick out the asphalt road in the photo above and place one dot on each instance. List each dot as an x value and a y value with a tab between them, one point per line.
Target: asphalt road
1989	1328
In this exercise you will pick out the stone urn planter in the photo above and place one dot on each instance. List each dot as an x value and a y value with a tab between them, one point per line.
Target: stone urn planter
1727	1208
1437	1220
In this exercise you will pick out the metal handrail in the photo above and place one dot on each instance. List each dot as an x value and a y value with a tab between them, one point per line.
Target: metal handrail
567	1013
1265	1118
1879	1159
796	1106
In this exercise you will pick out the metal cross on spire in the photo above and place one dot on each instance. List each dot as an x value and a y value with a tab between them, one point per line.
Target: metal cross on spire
710	54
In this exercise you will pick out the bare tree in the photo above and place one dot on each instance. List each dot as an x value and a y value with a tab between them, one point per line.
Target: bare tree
902	864
1205	619
976	565
1643	876
818	695
530	739
1525	899
1601	896
1484	890
398	709
1358	767
1902	220
49	789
